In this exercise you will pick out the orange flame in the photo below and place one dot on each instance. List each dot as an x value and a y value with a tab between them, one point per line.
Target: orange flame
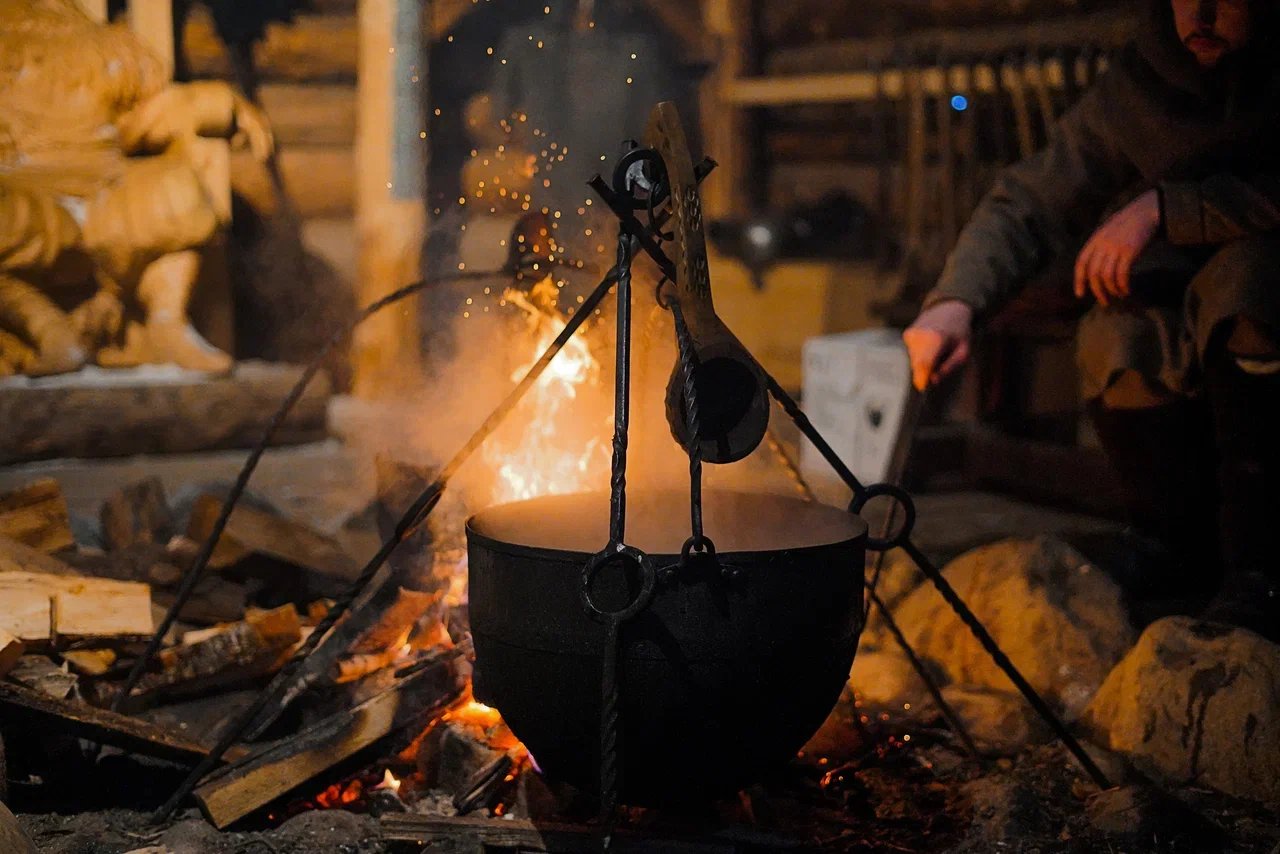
556	449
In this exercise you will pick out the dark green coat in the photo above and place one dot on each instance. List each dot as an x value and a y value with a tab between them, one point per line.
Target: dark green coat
1209	141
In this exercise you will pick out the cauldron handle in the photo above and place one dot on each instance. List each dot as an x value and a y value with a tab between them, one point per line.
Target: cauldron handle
609	683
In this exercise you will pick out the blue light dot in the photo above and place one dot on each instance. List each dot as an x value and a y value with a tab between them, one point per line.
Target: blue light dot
959	103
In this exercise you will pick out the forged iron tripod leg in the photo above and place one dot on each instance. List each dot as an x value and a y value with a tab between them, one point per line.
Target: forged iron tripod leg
896	467
930	684
971	621
413	517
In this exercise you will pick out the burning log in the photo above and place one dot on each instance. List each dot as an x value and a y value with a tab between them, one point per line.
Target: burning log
11	650
219	657
246	786
37	516
27	706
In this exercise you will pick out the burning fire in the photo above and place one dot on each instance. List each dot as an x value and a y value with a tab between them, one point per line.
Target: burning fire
557	449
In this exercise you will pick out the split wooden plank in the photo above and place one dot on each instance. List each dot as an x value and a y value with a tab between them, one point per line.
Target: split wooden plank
562	838
37	515
253	531
23	705
244	787
37	606
247	649
11	649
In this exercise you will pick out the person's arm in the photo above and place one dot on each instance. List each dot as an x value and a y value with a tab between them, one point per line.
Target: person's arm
1220	208
1035	208
1029	215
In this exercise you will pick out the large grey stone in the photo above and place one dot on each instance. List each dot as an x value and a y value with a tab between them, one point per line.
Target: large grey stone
1196	702
1060	620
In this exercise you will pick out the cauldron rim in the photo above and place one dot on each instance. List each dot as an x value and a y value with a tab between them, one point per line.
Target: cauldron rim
509	547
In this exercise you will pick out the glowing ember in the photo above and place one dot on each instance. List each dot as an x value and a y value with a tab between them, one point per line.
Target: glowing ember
556	449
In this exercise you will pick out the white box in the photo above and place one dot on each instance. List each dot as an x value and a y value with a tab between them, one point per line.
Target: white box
856	386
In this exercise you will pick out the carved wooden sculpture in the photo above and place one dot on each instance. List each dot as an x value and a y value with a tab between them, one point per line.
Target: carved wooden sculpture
101	184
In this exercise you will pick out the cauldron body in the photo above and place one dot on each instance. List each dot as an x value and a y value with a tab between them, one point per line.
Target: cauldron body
719	679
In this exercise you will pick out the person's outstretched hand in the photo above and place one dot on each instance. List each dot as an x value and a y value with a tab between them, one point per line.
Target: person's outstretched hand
938	341
1102	267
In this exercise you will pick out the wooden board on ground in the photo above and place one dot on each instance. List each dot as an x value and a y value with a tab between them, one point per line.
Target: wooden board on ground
39	607
21	704
251	531
506	834
35	515
155	409
240	789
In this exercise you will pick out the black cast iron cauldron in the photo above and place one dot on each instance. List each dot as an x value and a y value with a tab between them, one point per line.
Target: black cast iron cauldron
719	679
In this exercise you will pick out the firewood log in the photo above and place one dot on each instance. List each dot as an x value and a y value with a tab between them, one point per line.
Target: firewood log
222	657
244	787
137	513
251	531
37	515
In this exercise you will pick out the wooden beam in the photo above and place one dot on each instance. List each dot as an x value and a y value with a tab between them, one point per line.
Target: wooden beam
37	515
852	86
136	413
95	9
390	190
152	22
244	787
24	705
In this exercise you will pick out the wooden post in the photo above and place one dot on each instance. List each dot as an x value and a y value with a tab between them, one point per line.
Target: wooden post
95	9
726	125
390	176
152	21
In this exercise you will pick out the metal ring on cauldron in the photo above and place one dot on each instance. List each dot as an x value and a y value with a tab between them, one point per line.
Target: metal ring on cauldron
891	539
648	579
